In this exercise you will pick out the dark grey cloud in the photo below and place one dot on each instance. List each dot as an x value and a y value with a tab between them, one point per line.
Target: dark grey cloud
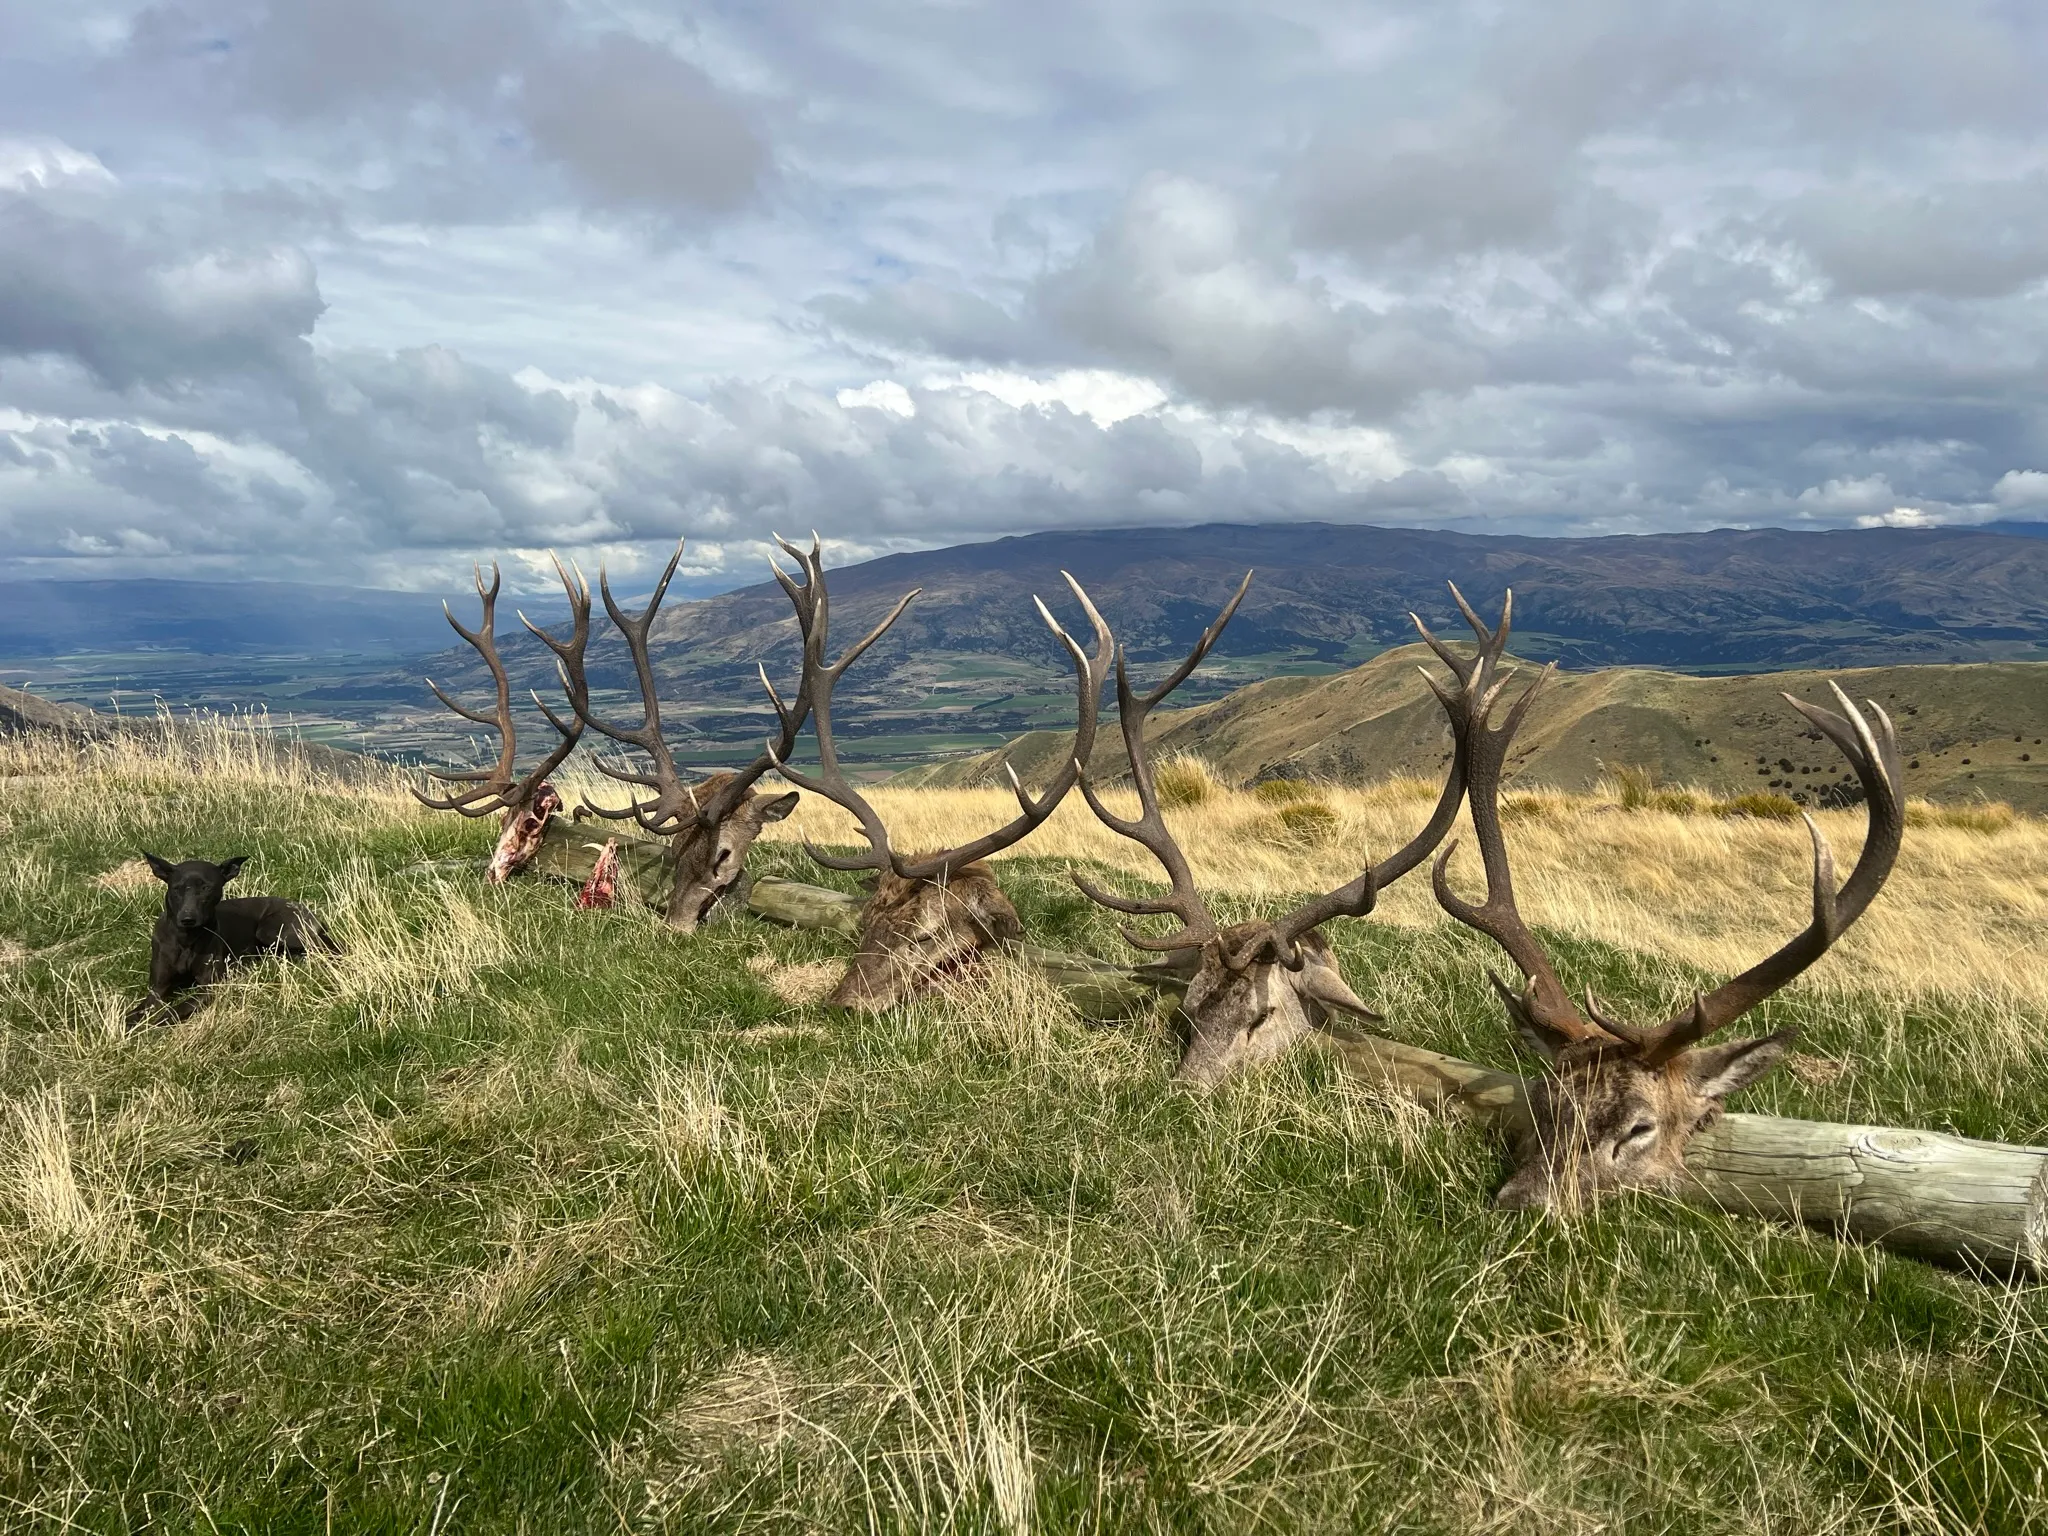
302	59
1975	240
452	89
133	297
640	128
939	319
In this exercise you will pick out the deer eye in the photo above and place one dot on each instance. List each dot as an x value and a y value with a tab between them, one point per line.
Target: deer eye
1636	1134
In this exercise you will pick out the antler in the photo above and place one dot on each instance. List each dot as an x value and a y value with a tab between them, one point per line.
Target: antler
1089	675
1149	829
494	788
674	803
1542	1002
1463	706
1875	757
819	682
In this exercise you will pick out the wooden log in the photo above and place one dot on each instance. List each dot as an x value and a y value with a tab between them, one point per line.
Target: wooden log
806	906
1982	1204
1098	989
1979	1204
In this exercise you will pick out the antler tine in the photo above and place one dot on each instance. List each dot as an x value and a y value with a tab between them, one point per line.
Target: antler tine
713	807
1149	829
494	789
819	681
1463	707
1090	673
671	800
1543	999
567	735
1874	754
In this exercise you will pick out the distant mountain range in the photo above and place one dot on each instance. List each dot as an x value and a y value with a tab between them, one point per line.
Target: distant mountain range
1725	601
970	665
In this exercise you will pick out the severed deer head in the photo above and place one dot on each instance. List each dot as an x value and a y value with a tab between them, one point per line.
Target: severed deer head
1256	987
710	824
528	801
933	914
1620	1101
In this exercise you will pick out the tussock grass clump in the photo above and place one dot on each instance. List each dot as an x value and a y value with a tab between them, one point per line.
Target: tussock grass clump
1767	804
1186	781
1308	822
1282	791
1535	805
1636	789
1632	787
1986	816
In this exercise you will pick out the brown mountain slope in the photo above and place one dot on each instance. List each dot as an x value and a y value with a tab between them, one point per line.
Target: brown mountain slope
1968	732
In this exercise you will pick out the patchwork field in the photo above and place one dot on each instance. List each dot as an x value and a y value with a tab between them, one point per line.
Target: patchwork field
519	1218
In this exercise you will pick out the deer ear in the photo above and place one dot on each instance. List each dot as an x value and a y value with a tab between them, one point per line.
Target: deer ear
229	868
1542	1041
161	868
1716	1071
780	806
1326	985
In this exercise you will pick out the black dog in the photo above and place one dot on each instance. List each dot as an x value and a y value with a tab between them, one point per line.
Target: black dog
201	933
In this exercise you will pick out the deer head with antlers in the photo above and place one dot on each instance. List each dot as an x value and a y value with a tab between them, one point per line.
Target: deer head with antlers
710	824
1620	1101
1256	987
935	913
528	800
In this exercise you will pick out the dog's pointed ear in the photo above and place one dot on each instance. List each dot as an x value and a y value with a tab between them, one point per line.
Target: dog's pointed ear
229	868
161	868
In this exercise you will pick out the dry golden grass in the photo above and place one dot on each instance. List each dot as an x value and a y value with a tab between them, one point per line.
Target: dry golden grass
1964	917
100	777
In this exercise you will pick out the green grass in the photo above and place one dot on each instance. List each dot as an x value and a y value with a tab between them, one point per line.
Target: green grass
520	1218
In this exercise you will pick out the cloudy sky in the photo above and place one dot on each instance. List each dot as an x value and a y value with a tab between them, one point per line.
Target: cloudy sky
361	289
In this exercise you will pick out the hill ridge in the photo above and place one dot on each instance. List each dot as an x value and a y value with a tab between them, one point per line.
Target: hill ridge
1968	731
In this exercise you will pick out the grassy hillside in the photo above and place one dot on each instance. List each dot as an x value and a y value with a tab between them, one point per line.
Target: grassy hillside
1971	732
515	1218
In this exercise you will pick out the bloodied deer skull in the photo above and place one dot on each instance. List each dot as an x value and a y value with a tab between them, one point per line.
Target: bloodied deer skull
709	824
937	913
1619	1102
529	801
1255	988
